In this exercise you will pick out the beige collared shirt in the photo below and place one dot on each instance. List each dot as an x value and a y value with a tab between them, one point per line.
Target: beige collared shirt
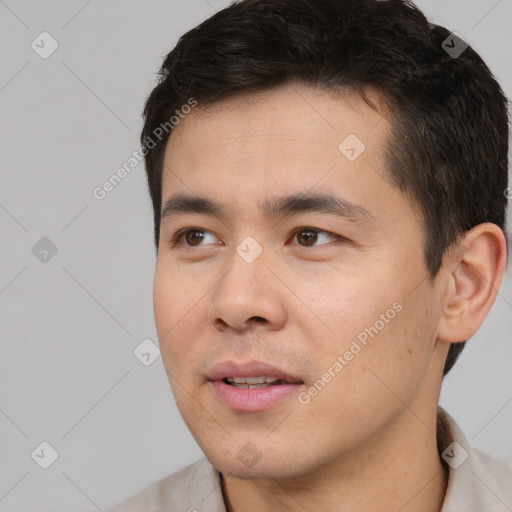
476	482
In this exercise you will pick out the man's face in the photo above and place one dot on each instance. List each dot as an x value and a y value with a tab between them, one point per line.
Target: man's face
338	302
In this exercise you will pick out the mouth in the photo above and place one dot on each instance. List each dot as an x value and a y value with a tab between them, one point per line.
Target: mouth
251	373
262	381
252	386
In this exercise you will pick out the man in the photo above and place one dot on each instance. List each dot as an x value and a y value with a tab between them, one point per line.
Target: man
328	180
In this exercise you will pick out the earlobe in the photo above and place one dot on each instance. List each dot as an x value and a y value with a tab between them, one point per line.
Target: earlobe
476	270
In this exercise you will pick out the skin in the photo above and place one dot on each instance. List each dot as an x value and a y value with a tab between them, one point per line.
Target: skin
367	440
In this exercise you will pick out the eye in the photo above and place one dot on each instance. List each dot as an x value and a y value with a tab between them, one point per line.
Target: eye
305	236
308	237
191	237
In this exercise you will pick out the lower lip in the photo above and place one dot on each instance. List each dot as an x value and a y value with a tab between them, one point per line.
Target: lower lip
256	399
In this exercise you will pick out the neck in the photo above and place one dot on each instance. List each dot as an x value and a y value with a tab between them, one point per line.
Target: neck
401	470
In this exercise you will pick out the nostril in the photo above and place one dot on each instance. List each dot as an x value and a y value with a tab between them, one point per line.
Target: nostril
258	319
219	323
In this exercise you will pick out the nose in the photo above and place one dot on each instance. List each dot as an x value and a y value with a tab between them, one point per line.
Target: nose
248	297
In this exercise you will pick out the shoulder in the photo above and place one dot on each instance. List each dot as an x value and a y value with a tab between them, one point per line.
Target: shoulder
476	481
494	475
178	491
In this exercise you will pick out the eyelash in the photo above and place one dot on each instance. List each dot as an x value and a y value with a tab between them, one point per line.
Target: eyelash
177	238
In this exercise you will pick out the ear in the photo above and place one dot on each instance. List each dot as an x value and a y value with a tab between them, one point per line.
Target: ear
475	270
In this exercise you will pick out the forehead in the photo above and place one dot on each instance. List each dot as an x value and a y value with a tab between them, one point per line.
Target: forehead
304	113
293	138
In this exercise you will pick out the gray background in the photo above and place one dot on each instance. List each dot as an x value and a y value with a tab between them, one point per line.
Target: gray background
69	325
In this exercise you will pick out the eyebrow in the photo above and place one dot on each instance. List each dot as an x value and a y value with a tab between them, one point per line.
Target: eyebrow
273	208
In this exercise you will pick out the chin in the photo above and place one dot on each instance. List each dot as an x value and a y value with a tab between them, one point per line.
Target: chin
277	466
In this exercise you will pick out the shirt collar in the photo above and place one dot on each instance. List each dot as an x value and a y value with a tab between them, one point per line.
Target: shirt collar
475	481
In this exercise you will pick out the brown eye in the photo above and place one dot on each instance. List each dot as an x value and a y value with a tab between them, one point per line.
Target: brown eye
307	237
193	237
312	237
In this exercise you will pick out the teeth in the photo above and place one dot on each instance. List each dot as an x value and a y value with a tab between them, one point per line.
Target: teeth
252	380
251	386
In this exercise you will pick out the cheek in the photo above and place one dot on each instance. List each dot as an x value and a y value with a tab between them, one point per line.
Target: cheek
369	383
179	315
348	304
164	303
175	295
375	324
397	358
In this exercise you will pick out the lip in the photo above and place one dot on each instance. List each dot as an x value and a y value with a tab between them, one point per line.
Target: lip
256	399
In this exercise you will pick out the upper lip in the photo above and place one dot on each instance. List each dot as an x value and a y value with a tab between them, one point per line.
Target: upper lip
249	369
